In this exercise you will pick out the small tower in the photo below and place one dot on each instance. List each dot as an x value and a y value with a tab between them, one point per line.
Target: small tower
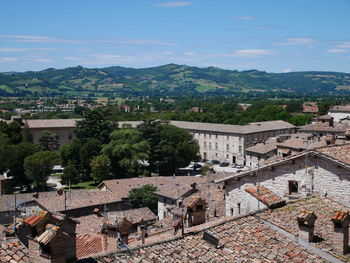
124	228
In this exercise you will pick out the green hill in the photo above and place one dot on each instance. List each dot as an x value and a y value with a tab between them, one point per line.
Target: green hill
168	80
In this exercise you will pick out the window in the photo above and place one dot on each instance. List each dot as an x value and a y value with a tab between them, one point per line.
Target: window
205	136
216	136
227	137
239	208
199	207
231	210
227	156
293	187
216	146
70	136
240	148
227	147
210	145
205	145
216	154
209	136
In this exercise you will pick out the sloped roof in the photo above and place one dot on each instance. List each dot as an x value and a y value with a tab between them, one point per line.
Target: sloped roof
51	123
90	244
244	240
266	196
134	215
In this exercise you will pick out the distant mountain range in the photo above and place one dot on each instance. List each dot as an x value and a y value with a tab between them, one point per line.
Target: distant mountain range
168	80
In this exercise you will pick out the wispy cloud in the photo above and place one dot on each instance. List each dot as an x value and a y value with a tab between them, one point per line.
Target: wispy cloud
342	47
47	39
7	49
252	52
38	39
244	18
297	41
173	4
337	50
8	59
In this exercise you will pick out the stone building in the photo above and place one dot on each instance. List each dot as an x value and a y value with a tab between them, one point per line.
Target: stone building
339	112
63	129
224	142
324	171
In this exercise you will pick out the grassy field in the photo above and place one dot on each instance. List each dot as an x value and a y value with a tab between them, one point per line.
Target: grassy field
84	185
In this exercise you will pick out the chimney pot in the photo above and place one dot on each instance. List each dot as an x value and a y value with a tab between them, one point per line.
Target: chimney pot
341	231
306	223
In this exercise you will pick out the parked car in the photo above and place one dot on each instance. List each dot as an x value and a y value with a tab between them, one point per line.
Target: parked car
224	164
214	162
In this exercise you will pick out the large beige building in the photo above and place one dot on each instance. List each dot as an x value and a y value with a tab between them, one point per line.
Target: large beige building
225	142
63	129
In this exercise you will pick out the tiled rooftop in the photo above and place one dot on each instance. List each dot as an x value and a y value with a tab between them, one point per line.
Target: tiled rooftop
339	152
243	240
286	218
13	252
90	224
51	123
90	244
134	215
266	196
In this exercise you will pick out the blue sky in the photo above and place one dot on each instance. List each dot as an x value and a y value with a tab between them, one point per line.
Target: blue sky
270	35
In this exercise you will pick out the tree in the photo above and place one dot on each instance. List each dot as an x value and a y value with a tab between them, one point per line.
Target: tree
5	149
13	131
39	166
79	155
100	168
48	140
70	174
144	197
16	161
126	152
94	125
176	148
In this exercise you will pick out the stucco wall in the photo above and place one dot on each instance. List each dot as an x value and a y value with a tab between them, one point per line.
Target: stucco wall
322	177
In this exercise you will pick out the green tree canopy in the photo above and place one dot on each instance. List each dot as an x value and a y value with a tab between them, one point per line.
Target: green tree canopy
17	155
94	125
126	150
48	140
144	197
100	168
39	166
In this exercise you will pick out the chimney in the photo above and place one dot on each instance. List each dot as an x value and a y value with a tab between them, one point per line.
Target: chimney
330	139
124	229
347	134
341	232
331	122
306	224
97	212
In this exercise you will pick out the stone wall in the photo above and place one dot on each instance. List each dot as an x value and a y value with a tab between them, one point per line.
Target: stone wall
321	177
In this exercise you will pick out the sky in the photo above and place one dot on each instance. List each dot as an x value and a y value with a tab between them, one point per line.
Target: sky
269	35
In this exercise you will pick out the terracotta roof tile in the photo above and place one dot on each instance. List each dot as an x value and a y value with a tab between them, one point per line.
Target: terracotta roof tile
266	196
340	216
13	252
90	244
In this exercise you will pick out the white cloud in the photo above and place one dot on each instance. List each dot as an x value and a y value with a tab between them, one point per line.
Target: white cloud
252	52
297	41
287	70
43	60
173	4
337	50
244	18
6	49
8	59
38	39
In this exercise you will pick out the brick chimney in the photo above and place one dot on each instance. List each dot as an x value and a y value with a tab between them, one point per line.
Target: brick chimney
341	231
330	139
124	229
347	134
306	224
196	210
49	247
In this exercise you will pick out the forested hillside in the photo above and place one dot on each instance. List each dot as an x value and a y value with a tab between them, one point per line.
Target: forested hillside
168	80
